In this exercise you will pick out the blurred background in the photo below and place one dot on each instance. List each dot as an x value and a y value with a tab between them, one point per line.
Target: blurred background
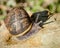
30	6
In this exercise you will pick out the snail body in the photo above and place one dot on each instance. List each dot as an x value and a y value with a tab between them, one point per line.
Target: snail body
21	25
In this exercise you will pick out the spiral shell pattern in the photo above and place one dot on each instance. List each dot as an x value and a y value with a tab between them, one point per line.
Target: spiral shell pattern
18	21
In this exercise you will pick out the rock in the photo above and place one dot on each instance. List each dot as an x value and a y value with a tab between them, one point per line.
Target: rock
48	37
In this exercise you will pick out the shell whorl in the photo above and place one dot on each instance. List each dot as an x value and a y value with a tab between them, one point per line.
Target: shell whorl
18	21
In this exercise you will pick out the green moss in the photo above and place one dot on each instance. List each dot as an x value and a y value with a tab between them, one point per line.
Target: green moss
58	8
2	17
1	11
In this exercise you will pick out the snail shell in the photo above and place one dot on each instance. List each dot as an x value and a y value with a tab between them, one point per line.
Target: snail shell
18	21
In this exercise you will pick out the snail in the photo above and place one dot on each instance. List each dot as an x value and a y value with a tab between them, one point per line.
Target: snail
21	25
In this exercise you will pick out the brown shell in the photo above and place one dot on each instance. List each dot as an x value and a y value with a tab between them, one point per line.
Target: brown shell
17	21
